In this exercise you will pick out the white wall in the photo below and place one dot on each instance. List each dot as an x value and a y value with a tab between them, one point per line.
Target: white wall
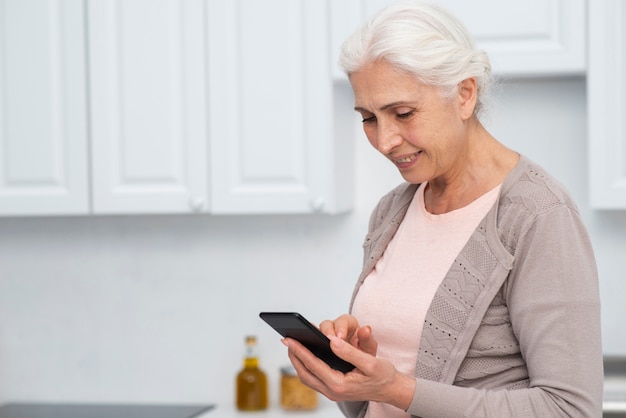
154	309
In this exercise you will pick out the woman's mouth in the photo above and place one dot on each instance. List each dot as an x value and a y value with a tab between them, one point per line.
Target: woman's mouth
406	161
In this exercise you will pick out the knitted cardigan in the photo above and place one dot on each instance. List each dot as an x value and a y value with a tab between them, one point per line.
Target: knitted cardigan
519	309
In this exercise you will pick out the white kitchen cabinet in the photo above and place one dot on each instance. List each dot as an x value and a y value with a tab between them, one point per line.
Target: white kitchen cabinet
275	119
266	143
522	38
606	104
43	124
213	106
147	106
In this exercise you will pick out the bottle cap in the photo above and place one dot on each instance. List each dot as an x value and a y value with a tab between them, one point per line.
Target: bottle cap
288	371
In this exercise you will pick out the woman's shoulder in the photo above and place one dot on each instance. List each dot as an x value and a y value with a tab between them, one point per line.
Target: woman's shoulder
533	187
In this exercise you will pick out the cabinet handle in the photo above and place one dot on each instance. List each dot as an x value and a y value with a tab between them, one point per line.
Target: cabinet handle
317	204
197	204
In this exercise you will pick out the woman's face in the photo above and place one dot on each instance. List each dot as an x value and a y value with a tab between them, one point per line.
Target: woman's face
418	130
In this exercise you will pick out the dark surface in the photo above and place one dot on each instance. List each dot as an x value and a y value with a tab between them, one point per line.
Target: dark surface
615	367
294	325
27	410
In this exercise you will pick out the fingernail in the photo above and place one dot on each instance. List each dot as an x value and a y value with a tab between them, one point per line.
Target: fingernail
284	341
336	341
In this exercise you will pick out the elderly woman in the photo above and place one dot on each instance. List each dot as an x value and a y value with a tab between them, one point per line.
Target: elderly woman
479	293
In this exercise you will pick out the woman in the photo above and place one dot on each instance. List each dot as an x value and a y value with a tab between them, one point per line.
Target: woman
479	294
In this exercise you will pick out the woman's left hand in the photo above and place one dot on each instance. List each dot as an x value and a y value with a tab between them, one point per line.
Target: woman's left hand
373	379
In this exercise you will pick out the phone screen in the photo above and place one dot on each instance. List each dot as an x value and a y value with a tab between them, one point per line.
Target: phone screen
294	325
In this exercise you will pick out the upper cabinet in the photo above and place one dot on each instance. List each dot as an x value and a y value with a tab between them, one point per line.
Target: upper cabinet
195	106
215	106
147	106
43	124
522	38
273	113
606	104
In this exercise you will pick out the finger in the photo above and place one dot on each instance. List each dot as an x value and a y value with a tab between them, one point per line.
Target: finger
346	326
310	369
304	374
360	359
328	327
367	342
308	360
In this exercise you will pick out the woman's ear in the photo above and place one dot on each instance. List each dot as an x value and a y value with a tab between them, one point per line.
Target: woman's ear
468	94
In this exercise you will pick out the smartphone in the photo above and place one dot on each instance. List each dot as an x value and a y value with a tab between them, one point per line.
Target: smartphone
294	325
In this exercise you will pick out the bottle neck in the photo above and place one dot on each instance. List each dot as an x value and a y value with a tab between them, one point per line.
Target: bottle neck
251	362
251	359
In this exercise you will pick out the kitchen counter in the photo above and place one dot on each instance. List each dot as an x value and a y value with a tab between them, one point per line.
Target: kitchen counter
81	410
325	409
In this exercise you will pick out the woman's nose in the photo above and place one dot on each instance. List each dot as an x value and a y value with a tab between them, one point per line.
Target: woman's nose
388	137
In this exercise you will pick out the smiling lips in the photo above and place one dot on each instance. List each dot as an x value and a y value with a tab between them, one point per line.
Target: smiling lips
406	161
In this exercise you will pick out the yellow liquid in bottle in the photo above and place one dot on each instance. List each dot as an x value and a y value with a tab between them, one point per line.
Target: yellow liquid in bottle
251	381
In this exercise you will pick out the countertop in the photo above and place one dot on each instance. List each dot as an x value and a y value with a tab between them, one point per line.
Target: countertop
90	410
325	409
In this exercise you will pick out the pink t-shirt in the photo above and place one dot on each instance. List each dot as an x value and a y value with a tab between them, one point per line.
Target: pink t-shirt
395	296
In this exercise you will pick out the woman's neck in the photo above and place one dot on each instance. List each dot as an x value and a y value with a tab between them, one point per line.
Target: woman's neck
485	165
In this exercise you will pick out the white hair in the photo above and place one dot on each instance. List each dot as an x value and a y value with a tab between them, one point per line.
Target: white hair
423	40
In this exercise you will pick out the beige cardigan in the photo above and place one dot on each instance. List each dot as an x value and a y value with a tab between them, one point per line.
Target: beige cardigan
519	309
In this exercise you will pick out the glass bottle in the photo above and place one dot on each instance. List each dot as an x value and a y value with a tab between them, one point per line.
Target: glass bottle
251	381
294	395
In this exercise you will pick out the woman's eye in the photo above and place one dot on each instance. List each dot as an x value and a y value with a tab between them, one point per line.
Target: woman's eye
405	115
369	119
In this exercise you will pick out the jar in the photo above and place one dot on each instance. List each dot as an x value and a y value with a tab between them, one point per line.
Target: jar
295	395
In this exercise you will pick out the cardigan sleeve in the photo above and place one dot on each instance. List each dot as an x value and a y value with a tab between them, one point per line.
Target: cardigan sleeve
553	299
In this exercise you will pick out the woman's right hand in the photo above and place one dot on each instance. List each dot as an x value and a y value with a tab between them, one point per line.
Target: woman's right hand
373	379
347	328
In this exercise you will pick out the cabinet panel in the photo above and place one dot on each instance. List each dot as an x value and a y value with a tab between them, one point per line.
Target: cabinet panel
271	109
148	132
529	38
43	137
606	100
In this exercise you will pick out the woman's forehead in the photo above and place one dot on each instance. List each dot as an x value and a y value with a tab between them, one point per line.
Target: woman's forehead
379	85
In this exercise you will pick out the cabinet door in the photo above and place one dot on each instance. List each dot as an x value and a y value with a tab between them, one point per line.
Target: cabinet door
606	104
522	38
43	137
146	72
272	122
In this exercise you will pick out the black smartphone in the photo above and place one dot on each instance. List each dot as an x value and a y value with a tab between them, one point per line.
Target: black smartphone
294	325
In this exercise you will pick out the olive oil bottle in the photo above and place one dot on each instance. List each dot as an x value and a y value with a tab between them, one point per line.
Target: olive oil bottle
251	381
